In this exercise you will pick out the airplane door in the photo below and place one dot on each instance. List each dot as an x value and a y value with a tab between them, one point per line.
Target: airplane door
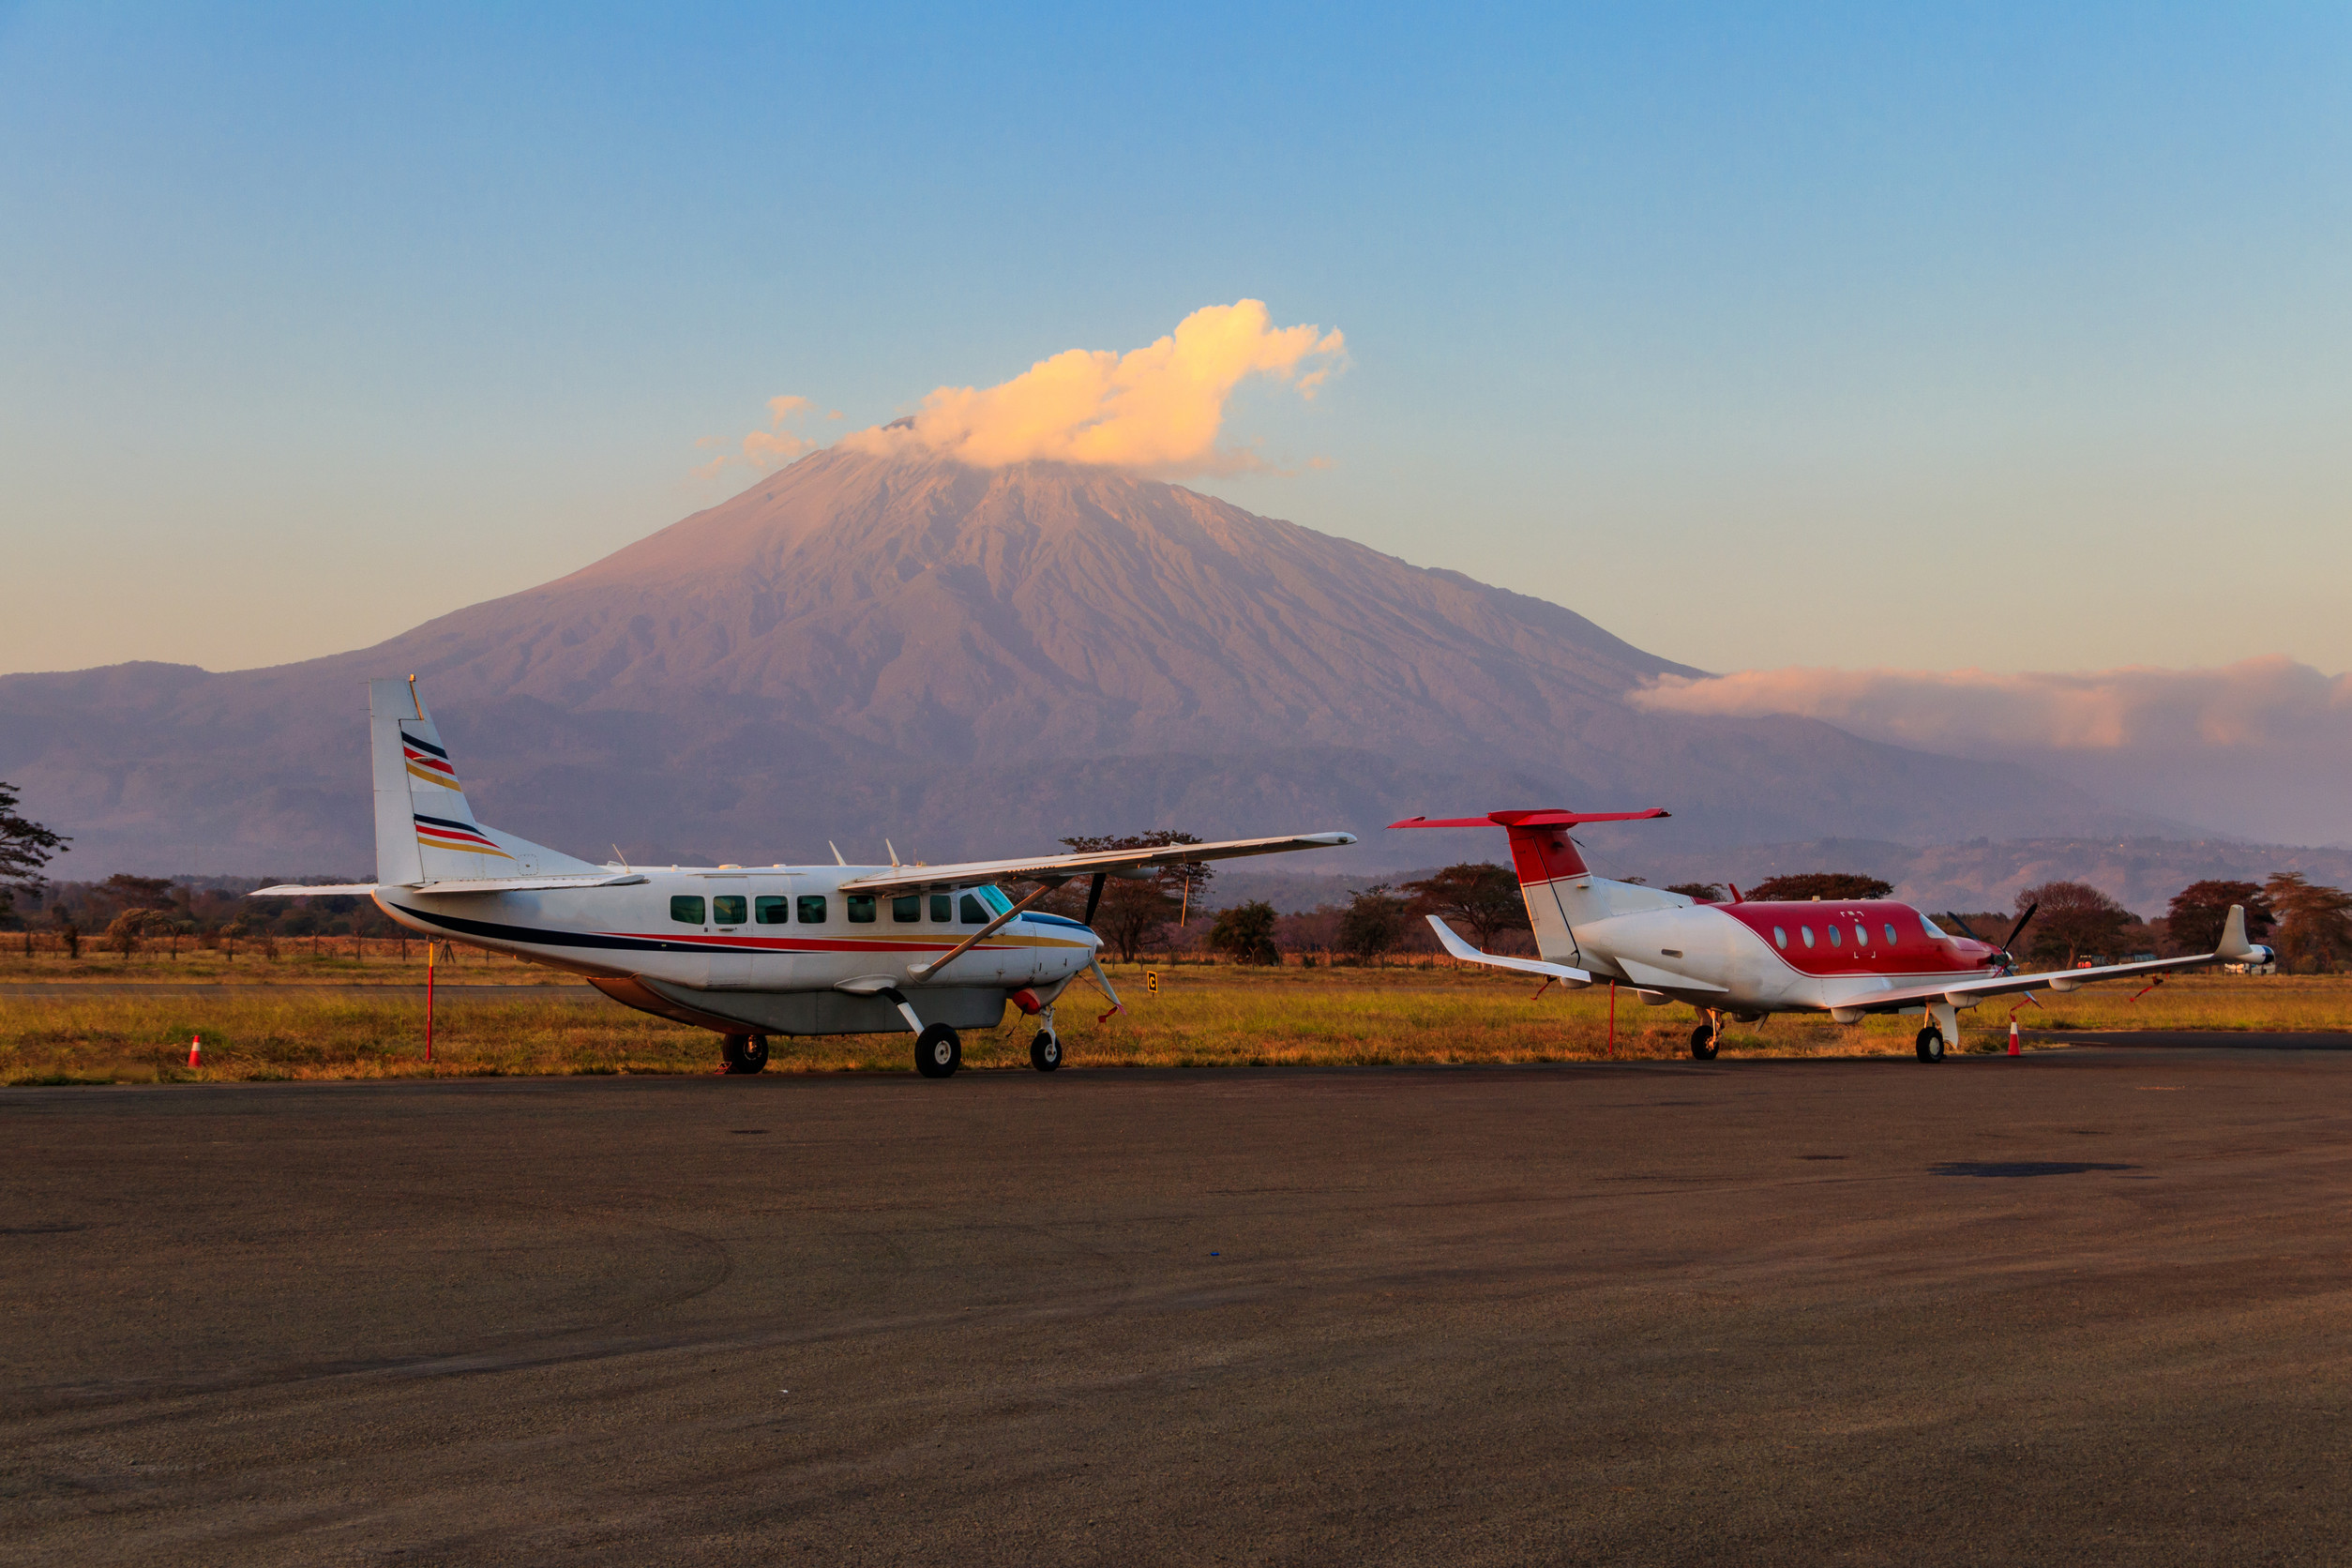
731	917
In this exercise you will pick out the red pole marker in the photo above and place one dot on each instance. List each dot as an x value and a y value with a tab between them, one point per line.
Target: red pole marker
429	1004
2013	1036
196	1050
1612	1018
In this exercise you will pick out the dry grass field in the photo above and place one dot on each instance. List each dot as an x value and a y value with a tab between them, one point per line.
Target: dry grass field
103	1020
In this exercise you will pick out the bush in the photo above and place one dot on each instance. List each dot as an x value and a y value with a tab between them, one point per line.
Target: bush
1244	933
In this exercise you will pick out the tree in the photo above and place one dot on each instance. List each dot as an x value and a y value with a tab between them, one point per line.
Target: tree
25	847
1373	924
138	893
1703	893
2072	918
2194	922
1483	896
123	935
2315	923
1834	887
1244	933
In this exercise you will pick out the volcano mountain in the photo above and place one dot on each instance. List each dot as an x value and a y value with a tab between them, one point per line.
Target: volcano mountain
968	660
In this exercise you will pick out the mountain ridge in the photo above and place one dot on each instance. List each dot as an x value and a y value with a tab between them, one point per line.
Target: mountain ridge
985	659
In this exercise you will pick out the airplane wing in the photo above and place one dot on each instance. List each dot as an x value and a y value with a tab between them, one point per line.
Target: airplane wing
1470	955
1068	868
2234	949
467	885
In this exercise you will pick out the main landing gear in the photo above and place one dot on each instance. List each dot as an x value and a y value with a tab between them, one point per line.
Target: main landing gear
1703	1043
1930	1044
743	1053
939	1051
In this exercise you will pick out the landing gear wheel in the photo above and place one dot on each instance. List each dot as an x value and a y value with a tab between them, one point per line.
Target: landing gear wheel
1703	1043
1931	1043
743	1053
937	1051
1044	1052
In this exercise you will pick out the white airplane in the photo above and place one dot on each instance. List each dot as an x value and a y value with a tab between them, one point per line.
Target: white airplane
1743	960
749	951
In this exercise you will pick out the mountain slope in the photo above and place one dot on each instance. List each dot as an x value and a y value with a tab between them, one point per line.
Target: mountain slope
968	660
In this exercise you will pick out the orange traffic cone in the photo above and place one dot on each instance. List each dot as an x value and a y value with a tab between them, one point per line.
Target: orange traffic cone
2013	1036
196	1050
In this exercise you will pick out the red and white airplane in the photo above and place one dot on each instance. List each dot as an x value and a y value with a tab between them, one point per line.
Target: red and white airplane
747	951
1742	960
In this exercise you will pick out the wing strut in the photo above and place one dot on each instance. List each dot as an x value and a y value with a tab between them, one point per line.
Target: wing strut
930	970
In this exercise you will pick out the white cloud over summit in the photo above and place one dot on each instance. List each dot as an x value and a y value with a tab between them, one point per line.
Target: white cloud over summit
1153	412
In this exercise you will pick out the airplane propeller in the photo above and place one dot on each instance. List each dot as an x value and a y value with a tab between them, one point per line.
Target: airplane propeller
2009	959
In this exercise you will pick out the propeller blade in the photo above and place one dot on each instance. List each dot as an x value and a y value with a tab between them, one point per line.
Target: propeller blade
2018	929
1093	896
1963	924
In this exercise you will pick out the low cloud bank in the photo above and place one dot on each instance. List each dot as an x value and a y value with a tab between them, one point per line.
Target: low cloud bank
1153	412
2256	702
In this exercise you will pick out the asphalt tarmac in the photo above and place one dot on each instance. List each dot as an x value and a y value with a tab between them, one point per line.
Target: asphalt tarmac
2084	1307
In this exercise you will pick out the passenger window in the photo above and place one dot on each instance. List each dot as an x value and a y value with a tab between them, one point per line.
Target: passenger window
772	911
907	906
968	909
942	907
1835	941
687	907
861	908
726	910
1806	932
1780	939
1861	936
812	909
1892	939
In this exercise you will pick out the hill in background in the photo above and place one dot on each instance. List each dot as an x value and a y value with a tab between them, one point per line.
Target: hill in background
970	661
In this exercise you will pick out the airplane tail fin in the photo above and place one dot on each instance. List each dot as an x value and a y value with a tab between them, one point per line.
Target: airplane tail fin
425	830
1547	863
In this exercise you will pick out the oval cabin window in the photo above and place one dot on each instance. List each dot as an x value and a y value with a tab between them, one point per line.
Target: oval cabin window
1806	932
1892	939
1780	939
1861	936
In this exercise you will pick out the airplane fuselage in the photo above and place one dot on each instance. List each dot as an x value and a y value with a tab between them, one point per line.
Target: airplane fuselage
1771	957
731	944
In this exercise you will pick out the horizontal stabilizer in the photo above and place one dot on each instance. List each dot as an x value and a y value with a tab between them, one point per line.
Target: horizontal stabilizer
1470	955
296	890
1547	816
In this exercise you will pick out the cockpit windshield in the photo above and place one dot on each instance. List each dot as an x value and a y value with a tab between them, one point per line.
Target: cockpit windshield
1932	934
995	902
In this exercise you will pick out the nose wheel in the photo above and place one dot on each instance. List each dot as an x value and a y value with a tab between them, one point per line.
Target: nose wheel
937	1051
1044	1052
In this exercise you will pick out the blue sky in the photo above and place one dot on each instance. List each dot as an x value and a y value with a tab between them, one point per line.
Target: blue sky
1839	336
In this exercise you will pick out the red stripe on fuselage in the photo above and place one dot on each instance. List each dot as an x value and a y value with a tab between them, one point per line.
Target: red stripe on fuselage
1912	952
809	944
